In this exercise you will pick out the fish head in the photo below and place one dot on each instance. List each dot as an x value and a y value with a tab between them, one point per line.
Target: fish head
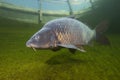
40	40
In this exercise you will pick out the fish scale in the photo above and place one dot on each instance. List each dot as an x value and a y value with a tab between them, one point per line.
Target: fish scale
63	35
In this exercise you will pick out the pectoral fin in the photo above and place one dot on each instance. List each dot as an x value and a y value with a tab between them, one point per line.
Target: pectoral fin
72	47
81	48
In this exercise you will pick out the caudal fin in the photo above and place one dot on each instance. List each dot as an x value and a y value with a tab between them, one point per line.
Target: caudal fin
100	29
102	39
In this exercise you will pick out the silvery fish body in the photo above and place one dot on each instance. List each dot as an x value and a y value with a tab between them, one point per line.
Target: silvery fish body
64	32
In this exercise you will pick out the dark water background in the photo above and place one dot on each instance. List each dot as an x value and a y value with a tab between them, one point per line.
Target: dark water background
108	10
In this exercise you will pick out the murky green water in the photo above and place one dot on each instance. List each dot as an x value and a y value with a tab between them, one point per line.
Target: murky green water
99	62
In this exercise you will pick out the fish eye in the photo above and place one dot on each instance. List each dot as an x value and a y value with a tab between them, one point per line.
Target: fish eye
37	37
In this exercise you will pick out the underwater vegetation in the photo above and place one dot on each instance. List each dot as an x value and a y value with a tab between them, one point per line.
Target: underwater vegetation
17	62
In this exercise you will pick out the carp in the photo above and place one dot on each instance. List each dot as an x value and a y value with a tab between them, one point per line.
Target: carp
68	33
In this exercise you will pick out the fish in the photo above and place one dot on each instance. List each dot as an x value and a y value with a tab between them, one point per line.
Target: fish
67	33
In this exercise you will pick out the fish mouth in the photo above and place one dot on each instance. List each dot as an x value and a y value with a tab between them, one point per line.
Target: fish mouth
35	48
31	46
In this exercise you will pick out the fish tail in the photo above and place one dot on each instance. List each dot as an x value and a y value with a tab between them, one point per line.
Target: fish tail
100	29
